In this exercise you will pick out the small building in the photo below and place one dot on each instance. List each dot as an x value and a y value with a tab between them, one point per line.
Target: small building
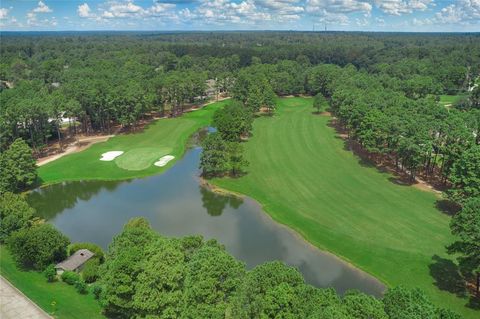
75	262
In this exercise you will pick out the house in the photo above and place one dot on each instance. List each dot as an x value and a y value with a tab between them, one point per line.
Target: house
75	262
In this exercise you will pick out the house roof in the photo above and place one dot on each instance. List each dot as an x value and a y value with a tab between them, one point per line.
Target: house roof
76	260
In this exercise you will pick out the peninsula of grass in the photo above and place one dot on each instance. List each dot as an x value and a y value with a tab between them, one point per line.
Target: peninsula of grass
69	304
141	150
304	178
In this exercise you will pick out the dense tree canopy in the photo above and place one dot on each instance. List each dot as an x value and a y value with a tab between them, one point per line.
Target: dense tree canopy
15	214
17	167
38	246
147	275
465	225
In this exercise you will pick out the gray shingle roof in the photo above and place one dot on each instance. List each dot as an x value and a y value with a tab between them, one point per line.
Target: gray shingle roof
76	260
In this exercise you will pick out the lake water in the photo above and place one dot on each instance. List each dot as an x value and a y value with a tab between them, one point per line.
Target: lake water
176	205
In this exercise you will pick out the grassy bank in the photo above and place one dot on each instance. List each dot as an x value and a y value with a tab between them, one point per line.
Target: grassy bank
69	303
303	177
142	149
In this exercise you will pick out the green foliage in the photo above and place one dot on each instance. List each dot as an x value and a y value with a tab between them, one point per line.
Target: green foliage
97	291
15	214
233	121
38	246
94	248
70	277
465	225
17	168
147	275
212	277
50	273
91	270
403	303
447	314
122	267
465	175
362	306
158	288
319	102
220	157
81	286
268	290
253	89
214	158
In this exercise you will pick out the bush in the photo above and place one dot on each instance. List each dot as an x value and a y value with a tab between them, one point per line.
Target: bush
97	290
81	286
90	270
15	214
70	277
99	254
50	273
38	246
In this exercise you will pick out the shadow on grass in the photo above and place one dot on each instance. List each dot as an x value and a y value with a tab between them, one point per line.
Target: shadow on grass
447	207
474	302
447	276
385	163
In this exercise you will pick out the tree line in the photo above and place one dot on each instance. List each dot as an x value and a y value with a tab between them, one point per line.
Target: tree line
100	82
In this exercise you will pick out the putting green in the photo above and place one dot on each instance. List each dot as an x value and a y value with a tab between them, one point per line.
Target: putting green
303	177
164	136
139	159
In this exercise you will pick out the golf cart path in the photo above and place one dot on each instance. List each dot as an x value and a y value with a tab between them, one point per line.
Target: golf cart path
15	305
80	145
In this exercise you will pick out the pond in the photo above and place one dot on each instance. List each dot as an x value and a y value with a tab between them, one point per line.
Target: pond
177	205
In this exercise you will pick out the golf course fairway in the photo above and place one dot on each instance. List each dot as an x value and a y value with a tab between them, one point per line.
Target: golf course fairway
304	178
141	150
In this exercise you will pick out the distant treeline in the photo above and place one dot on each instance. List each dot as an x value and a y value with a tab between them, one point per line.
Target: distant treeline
102	80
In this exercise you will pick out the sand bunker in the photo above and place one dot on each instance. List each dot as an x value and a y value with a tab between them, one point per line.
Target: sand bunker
164	160
110	156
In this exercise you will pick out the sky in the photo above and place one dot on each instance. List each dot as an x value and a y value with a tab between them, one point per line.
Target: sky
167	15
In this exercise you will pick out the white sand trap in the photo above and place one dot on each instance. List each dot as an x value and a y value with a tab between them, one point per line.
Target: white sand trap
164	160
110	156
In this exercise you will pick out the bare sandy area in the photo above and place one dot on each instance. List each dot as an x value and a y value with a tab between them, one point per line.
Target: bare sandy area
80	145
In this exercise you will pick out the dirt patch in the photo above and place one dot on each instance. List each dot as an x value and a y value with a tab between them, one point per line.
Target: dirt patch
78	146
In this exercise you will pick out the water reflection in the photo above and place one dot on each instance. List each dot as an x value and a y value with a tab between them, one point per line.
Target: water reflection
215	203
176	205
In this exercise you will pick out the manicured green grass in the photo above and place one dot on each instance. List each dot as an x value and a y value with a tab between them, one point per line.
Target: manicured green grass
141	151
304	178
138	159
69	303
450	100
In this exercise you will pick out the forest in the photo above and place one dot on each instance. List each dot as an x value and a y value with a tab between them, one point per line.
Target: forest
384	91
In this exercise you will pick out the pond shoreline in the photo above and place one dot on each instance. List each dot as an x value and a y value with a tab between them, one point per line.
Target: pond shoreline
222	191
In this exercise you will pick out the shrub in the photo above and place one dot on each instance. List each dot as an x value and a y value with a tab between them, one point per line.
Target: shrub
15	214
70	277
90	270
97	290
50	273
38	246
90	246
81	286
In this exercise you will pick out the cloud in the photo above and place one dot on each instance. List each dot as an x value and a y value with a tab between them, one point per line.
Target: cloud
123	10
281	7
337	6
4	13
224	12
42	8
83	11
460	12
400	7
